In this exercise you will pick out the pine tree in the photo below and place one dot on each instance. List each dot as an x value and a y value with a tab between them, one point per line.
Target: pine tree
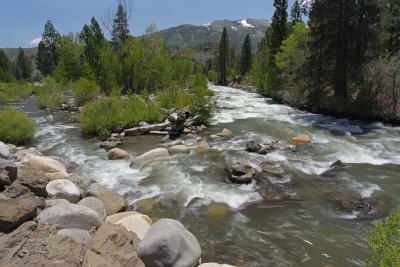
22	66
279	25
342	33
6	71
48	50
223	57
120	27
296	12
390	25
246	56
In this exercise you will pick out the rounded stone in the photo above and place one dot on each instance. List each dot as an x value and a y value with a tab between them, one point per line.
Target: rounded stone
64	189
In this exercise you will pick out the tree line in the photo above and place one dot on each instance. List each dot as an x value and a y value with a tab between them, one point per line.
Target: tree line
337	57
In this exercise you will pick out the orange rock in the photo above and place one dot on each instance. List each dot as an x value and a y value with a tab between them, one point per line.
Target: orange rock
303	139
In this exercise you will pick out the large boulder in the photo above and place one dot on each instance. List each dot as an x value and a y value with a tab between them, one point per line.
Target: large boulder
14	212
179	149
54	202
39	245
158	154
64	189
117	153
69	165
303	139
112	201
4	151
96	205
36	171
79	235
24	152
168	244
119	216
70	216
113	245
138	224
241	173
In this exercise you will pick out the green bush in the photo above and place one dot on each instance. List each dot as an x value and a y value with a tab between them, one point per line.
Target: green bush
51	94
205	107
14	91
385	241
16	127
103	116
85	90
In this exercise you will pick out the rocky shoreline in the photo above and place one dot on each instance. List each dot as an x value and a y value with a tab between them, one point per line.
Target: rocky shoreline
49	217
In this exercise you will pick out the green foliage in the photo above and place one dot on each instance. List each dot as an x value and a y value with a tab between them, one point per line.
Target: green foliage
51	94
6	71
295	13
103	116
23	66
223	58
85	90
246	56
212	76
120	27
16	127
385	241
175	98
48	54
278	25
390	25
15	91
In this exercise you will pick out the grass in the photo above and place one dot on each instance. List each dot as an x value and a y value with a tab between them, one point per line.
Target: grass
16	127
15	91
85	90
109	114
51	95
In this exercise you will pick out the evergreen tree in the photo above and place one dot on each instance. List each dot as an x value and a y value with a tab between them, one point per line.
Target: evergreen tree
246	56
120	27
48	54
296	12
390	25
223	57
279	25
22	66
6	71
342	33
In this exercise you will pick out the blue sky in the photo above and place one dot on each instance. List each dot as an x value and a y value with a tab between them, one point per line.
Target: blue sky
21	21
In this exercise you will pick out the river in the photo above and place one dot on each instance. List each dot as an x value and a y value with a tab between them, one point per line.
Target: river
232	222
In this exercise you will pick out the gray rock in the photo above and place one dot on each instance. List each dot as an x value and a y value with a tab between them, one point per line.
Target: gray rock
107	145
112	245
241	173
3	197
14	212
169	244
70	216
179	149
158	154
4	179
54	202
203	147
69	165
117	153
112	201
22	153
212	264
138	224
16	189
96	205
10	167
36	171
4	151
79	235
227	134
64	189
119	216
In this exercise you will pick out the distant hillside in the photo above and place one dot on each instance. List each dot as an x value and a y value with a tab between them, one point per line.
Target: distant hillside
13	52
204	39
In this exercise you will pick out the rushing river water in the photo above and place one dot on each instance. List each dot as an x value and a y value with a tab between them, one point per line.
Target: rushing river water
232	222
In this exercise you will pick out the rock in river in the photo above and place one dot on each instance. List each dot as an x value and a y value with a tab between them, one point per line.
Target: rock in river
158	154
303	139
169	244
117	153
240	173
112	201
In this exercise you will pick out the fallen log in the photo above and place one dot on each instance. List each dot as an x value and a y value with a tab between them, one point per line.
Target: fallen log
146	129
159	132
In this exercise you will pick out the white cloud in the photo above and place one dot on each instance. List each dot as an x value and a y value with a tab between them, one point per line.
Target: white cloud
35	41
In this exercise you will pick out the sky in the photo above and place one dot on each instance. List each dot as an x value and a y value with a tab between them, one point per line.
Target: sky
22	21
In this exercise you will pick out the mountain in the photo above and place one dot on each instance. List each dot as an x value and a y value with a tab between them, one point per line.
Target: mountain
12	53
204	39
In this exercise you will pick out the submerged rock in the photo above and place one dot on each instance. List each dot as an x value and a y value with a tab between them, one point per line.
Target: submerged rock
158	154
364	208
203	147
179	149
117	153
169	244
227	134
303	139
241	174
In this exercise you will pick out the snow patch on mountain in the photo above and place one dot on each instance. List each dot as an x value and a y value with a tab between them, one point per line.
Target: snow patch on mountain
244	23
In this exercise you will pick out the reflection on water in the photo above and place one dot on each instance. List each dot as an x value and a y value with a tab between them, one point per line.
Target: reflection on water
232	222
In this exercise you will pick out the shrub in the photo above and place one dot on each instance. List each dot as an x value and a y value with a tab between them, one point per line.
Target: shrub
51	94
16	127
205	107
15	91
85	90
385	241
175	98
103	116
